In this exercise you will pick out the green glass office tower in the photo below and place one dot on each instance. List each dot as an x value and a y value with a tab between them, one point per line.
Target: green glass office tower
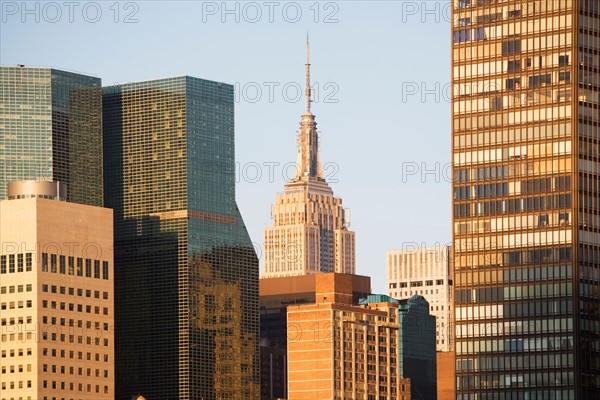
186	274
526	145
51	124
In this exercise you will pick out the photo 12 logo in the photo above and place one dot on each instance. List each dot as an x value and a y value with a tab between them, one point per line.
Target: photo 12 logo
252	12
289	92
69	11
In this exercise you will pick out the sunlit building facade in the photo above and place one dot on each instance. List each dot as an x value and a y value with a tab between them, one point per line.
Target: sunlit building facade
186	281
51	125
276	294
340	350
310	227
425	271
56	296
526	198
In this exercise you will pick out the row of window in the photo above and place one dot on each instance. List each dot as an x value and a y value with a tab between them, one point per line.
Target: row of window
513	328
80	307
54	385
54	336
533	344
66	265
71	291
12	263
518	205
16	289
11	305
395	285
502	293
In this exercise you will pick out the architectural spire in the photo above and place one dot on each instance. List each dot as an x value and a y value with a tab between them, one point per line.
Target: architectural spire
307	89
308	165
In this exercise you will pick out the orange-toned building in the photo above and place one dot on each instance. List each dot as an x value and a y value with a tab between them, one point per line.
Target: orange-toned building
276	294
56	296
338	350
446	378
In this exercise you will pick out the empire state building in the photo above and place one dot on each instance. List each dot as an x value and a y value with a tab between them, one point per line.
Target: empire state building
309	233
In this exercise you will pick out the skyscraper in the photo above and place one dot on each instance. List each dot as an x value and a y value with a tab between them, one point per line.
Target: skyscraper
309	233
276	294
417	347
186	281
338	349
56	292
51	123
425	271
526	198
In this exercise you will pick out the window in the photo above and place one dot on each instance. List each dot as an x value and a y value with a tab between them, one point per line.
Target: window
563	219
514	13
79	266
63	265
513	83
53	263
71	265
511	47
538	80
97	269
563	60
44	262
2	264
11	263
514	65
564	76
19	262
28	263
105	270
88	268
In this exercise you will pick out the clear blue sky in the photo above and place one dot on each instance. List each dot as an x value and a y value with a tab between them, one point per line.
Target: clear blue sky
377	137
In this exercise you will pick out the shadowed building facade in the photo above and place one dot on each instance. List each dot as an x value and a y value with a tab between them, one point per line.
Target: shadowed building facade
187	277
526	218
417	347
51	123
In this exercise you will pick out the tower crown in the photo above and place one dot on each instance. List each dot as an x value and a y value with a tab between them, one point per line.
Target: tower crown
308	164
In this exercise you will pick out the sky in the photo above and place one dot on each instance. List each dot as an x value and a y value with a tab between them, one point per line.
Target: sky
380	69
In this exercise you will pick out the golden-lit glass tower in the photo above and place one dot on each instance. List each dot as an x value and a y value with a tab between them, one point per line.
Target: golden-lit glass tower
309	233
186	281
526	198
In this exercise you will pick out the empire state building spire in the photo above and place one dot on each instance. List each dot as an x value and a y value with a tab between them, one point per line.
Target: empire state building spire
308	164
310	226
307	89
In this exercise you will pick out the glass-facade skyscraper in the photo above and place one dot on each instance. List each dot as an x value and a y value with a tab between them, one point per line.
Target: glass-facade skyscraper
186	275
526	198
51	124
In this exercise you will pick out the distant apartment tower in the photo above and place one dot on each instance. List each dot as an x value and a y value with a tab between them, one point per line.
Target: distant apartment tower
426	271
276	294
526	219
51	124
309	232
340	350
56	294
186	281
